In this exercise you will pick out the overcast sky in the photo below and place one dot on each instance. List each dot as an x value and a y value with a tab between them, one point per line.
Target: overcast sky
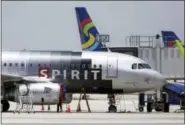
52	25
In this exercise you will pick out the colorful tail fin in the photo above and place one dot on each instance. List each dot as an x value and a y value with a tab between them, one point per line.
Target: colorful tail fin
87	30
171	40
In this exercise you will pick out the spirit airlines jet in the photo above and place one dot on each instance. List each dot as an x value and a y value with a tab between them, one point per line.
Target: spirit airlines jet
98	72
69	72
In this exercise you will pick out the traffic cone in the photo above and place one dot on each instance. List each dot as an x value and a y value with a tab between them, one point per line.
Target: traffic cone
68	109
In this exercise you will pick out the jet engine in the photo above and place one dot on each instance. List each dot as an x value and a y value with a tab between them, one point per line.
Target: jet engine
39	93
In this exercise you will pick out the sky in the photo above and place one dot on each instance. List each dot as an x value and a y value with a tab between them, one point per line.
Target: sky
52	25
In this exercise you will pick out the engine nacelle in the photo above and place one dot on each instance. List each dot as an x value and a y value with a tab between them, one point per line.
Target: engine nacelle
41	93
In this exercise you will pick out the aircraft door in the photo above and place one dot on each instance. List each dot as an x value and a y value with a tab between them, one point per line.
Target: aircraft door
112	67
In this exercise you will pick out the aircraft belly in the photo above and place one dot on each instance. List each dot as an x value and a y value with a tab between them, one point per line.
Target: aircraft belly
130	87
91	86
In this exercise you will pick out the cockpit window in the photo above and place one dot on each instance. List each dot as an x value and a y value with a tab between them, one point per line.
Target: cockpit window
147	66
140	66
134	66
143	66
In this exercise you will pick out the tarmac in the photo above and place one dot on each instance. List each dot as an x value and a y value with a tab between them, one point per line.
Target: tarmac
127	113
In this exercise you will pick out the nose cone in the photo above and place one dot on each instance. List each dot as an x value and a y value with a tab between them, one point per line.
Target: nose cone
157	78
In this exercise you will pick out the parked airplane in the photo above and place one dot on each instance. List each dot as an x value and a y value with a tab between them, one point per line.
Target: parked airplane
88	32
171	40
98	72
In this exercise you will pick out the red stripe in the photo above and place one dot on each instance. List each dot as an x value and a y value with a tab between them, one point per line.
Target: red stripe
170	44
85	21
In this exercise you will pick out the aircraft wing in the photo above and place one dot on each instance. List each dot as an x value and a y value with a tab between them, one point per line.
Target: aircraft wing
10	77
16	78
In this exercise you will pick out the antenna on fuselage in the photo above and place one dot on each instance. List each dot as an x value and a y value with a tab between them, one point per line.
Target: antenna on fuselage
103	39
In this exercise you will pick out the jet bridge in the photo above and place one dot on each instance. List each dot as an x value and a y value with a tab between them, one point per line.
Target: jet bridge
167	60
164	59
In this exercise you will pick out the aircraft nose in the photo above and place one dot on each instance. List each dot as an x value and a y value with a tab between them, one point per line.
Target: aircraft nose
157	78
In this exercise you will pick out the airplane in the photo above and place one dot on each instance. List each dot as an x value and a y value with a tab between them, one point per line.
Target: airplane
172	40
88	32
25	71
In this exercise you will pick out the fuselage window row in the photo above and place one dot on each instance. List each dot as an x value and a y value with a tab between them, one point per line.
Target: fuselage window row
63	66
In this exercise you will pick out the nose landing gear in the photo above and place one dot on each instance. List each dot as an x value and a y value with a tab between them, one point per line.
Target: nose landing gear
4	105
112	102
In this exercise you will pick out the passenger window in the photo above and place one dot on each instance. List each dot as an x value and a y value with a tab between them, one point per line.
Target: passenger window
94	66
100	66
22	64
83	66
30	65
4	64
134	66
16	64
10	64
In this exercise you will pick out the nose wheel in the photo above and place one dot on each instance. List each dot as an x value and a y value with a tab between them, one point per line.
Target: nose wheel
112	108
112	102
4	105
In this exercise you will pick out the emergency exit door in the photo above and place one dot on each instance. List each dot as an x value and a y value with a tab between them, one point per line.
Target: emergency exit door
112	66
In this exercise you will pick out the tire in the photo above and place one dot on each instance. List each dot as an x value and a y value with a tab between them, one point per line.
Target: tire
112	108
141	109
149	107
5	105
158	110
166	107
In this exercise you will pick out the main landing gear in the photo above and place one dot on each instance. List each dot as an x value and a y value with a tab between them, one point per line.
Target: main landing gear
112	102
4	105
